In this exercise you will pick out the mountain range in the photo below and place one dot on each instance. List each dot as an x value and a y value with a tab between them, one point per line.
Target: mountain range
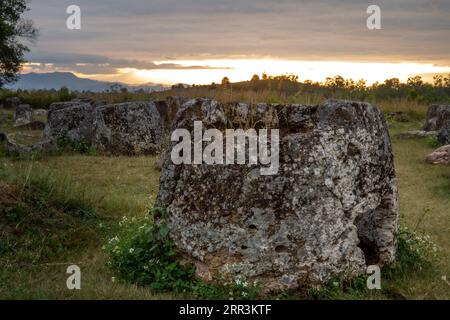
56	80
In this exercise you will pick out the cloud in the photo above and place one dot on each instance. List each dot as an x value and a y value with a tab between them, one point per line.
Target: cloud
136	31
96	64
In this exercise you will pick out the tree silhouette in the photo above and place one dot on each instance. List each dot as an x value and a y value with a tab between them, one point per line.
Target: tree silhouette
225	81
415	81
13	29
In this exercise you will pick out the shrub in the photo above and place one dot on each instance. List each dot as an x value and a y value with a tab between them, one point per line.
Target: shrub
415	253
143	253
66	144
433	142
38	98
340	287
146	255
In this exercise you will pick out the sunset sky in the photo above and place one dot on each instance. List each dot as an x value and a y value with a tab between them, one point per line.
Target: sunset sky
201	41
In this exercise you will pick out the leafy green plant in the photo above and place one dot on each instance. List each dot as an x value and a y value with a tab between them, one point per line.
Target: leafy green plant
415	253
67	144
339	287
145	254
433	142
233	289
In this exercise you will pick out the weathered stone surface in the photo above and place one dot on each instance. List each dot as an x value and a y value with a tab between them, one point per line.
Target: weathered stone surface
132	128
444	134
438	119
10	145
331	209
416	134
13	147
40	112
11	103
439	156
33	125
437	116
23	115
168	109
128	128
93	102
71	120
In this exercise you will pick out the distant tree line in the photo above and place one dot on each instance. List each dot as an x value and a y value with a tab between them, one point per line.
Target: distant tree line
415	87
39	98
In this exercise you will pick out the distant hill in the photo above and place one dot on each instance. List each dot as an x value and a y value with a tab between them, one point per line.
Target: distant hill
56	80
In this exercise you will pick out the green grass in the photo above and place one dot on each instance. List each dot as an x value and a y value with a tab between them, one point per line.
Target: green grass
113	187
424	192
65	220
121	185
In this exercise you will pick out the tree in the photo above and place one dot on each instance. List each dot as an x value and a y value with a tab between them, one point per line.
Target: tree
64	94
255	78
336	82
415	81
115	87
13	30
438	81
225	81
361	85
393	83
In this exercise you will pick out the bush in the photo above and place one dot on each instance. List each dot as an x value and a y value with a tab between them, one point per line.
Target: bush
415	253
144	254
38	98
340	287
66	144
433	142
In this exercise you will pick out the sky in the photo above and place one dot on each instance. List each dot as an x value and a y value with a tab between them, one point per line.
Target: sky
201	41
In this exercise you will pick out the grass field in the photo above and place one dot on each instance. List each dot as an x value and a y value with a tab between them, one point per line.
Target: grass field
65	189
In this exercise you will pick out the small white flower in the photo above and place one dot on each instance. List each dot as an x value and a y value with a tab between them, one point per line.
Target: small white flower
113	279
131	250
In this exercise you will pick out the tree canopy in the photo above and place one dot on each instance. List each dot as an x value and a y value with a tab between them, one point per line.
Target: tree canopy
13	30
